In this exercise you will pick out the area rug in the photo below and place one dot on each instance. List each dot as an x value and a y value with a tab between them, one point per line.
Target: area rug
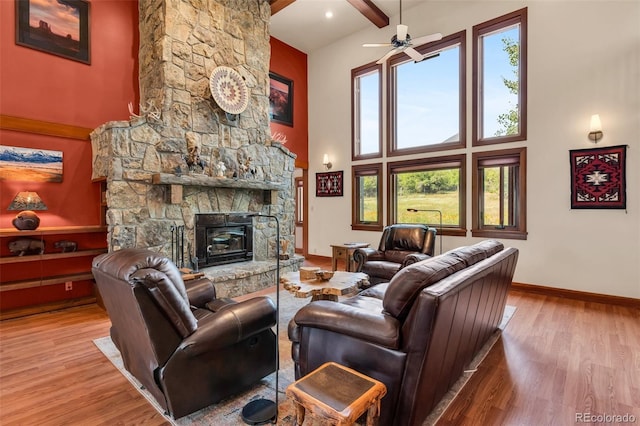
228	412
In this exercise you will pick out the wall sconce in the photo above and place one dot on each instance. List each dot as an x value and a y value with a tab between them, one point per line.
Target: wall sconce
326	162
27	219
595	128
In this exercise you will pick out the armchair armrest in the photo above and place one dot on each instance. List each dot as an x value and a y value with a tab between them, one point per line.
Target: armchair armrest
200	291
231	325
373	327
414	258
362	255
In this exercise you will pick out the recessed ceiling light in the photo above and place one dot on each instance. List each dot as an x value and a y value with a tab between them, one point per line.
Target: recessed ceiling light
328	14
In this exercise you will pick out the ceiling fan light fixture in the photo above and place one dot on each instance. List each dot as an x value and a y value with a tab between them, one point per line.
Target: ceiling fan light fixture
401	32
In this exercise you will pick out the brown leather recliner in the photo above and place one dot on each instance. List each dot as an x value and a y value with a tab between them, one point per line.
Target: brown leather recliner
417	333
400	245
188	349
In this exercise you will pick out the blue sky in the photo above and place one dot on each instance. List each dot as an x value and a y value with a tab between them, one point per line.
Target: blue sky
428	96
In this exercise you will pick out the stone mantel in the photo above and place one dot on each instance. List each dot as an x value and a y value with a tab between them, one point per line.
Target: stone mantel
214	182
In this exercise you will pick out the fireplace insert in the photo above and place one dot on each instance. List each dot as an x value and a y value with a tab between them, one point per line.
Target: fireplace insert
223	238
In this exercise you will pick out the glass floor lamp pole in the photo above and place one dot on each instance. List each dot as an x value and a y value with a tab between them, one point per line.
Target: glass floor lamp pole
260	411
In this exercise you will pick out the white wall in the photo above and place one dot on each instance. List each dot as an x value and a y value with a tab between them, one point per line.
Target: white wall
584	58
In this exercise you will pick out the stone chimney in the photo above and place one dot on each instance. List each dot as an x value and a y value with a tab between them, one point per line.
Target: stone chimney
150	186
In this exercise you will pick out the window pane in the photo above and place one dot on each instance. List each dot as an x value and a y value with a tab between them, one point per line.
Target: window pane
368	114
491	200
428	100
368	199
428	190
500	82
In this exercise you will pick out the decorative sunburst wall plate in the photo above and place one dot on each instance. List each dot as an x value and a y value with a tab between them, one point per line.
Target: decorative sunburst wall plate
229	90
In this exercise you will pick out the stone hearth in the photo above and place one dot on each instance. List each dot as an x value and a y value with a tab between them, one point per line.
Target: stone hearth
150	186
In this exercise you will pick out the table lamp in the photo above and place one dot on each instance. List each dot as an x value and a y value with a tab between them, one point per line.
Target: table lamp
27	202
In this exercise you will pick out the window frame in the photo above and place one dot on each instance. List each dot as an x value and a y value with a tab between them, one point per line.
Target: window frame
518	17
497	158
458	38
358	171
355	118
426	164
299	201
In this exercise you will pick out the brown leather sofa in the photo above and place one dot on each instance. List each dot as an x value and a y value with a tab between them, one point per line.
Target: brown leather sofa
400	245
415	334
186	347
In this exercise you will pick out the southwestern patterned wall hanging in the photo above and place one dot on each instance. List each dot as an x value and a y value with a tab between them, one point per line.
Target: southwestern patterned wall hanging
329	184
598	178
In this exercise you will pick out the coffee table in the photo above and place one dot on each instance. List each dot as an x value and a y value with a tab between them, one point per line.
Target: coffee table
340	284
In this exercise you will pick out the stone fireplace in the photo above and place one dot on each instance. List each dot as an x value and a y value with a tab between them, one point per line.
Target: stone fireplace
151	187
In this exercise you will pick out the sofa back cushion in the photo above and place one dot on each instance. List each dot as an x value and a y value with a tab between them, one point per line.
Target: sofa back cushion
410	281
477	252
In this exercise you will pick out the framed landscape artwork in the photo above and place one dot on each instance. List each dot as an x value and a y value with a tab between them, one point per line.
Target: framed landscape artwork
33	165
280	99
598	178
58	27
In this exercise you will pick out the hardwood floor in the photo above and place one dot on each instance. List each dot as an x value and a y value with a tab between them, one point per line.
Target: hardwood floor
556	359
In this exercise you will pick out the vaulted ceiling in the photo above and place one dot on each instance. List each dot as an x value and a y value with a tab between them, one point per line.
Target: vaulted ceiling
303	23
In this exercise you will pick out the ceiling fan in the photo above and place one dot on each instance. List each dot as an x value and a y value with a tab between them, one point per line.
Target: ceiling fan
402	42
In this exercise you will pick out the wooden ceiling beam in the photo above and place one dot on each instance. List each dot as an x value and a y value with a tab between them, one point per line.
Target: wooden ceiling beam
370	11
278	5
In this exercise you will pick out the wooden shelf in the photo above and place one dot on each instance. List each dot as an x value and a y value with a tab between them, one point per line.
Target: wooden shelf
40	257
12	232
59	279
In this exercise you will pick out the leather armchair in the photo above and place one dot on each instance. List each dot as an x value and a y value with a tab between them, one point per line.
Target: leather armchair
400	245
189	349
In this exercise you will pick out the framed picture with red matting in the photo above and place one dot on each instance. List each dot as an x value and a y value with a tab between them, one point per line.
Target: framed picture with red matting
329	184
598	178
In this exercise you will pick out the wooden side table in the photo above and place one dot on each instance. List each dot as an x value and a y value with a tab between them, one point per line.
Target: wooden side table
336	394
345	252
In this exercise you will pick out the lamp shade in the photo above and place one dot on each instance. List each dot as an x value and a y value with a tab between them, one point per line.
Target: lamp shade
26	202
595	124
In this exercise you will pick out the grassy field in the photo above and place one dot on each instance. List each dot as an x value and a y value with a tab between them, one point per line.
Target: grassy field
447	203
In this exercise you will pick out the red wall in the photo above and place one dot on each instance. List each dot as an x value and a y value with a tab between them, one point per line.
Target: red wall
292	64
41	86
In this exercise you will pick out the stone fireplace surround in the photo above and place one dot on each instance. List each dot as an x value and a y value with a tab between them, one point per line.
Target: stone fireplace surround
150	188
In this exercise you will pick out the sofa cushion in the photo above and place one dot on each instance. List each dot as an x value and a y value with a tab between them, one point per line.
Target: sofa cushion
477	252
381	269
397	256
405	286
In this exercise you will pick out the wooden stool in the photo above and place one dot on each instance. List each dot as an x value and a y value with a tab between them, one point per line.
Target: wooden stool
337	394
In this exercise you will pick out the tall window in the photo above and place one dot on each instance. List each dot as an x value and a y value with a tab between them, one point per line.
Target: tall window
366	106
500	79
427	98
429	184
299	201
499	188
367	197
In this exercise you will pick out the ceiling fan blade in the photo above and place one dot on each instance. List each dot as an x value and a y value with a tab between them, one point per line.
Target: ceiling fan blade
401	32
426	39
413	53
388	55
377	45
